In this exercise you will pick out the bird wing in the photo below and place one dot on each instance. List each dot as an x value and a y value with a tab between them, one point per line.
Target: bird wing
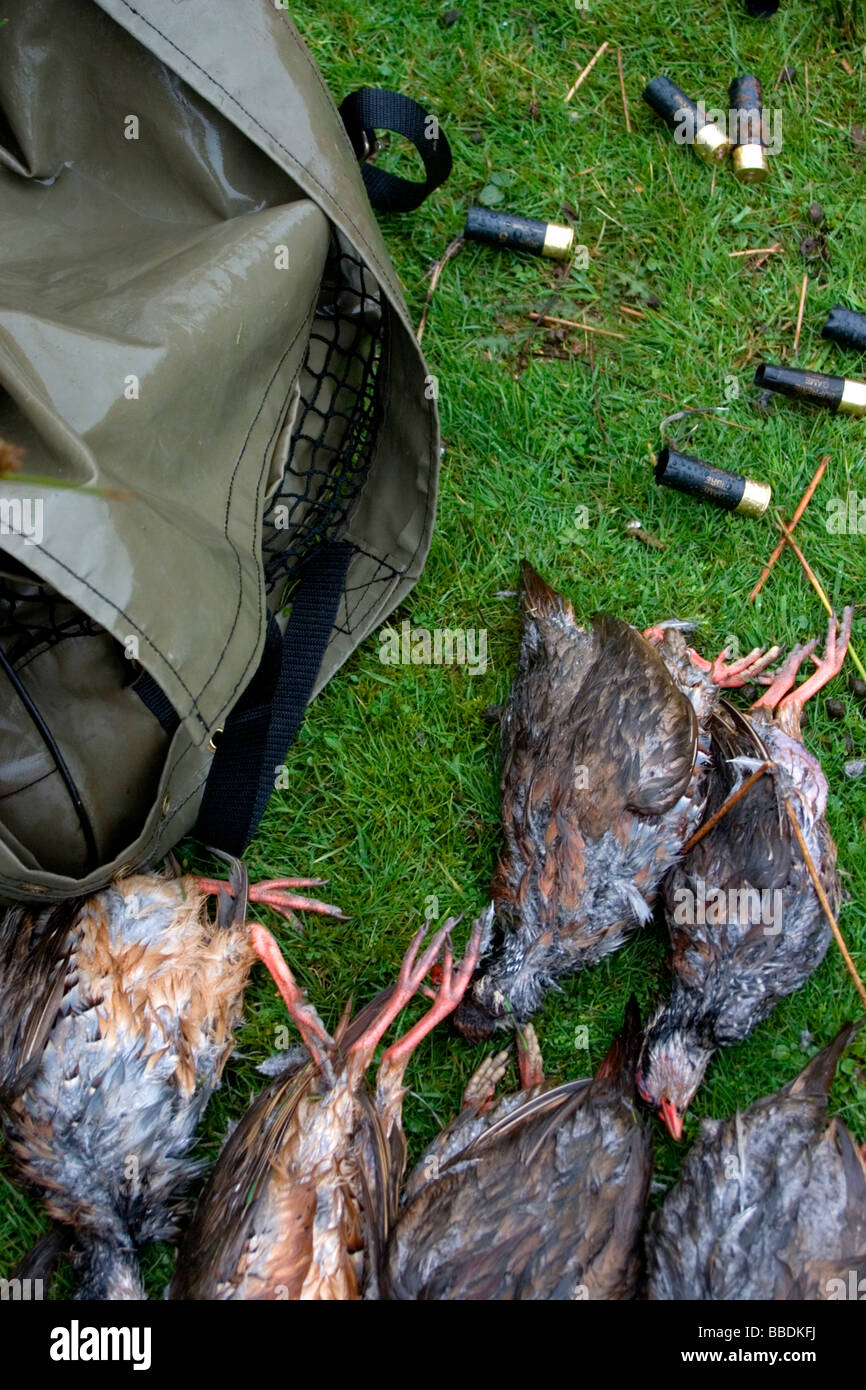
35	953
221	1244
633	732
547	1203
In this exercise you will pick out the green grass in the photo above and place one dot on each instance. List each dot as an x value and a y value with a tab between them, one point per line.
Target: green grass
394	775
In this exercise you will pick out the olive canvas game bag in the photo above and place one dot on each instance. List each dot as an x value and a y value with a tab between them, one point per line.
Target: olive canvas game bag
218	455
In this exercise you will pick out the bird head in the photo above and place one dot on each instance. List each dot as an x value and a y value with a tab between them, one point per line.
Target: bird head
670	1070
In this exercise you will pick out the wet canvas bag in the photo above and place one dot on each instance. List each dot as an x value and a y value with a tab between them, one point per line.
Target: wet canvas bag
218	454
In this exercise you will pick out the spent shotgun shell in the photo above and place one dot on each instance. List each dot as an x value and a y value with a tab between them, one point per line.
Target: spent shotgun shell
845	327
698	479
836	393
749	156
519	233
686	120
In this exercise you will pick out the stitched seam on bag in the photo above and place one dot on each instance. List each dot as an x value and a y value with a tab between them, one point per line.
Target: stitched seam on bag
177	809
210	77
304	324
123	614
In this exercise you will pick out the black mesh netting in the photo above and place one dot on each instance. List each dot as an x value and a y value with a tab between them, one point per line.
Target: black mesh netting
333	421
33	615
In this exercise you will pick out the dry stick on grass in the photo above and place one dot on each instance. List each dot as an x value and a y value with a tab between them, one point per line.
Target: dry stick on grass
588	69
802	305
816	585
757	251
824	900
438	267
801	507
622	90
570	323
635	313
723	810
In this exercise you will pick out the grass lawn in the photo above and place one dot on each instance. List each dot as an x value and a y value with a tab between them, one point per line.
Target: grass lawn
394	775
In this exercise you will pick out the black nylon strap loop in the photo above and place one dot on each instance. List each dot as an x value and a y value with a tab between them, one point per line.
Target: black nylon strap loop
262	726
375	108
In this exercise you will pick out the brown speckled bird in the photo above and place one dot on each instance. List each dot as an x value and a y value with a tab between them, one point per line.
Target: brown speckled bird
117	1016
604	746
301	1199
536	1196
746	924
770	1204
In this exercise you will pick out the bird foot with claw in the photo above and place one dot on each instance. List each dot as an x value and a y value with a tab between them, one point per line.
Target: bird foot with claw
731	675
790	707
784	678
481	1086
278	893
413	971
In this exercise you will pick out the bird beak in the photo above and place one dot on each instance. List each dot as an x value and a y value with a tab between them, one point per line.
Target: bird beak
673	1120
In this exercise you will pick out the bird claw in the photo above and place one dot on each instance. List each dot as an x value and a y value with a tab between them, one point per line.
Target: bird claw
826	667
275	893
731	675
271	893
413	971
784	678
481	1086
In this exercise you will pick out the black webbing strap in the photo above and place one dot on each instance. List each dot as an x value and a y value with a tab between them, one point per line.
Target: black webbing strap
375	108
262	726
154	698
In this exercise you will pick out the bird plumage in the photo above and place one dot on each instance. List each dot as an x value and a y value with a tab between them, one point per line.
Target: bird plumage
601	783
117	1016
746	924
540	1195
301	1199
770	1204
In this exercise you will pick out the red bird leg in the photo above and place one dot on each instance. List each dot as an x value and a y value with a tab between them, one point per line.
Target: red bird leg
272	893
736	673
409	981
829	665
785	676
301	1012
412	973
529	1060
448	996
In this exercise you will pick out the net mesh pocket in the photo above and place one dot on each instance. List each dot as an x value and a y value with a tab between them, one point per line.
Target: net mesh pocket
334	428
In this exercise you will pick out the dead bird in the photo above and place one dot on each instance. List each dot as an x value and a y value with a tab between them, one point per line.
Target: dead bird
117	1016
770	1204
745	922
540	1195
604	745
301	1199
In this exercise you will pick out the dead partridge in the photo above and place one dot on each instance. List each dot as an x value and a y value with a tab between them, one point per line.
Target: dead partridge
540	1195
300	1203
746	924
604	746
770	1204
117	1016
